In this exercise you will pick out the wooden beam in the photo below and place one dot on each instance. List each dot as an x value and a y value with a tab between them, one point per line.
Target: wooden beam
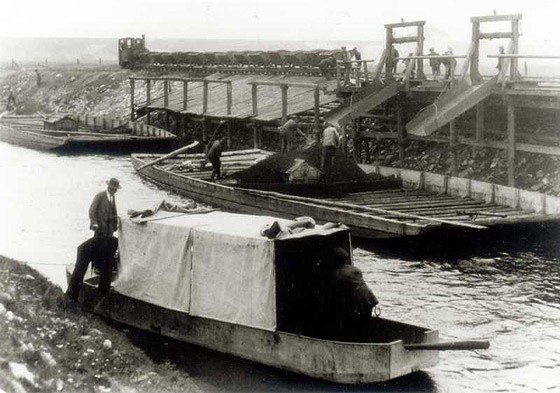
420	45
288	84
497	35
401	131
254	99
284	103
388	54
205	97
514	72
480	122
255	137
403	40
132	111
495	18
317	111
229	94
475	57
511	143
228	133
453	147
165	93
405	24
185	94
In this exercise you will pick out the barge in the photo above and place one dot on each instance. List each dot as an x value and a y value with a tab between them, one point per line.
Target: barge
396	203
212	279
70	133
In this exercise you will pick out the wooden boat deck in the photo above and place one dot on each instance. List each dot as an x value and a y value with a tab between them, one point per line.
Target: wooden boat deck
411	209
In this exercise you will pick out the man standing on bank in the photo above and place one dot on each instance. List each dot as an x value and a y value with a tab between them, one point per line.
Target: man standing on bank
101	248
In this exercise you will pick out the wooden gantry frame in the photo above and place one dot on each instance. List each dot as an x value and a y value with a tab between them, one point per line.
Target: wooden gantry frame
391	40
284	86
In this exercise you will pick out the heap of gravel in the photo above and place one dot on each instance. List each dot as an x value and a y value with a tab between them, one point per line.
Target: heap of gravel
270	170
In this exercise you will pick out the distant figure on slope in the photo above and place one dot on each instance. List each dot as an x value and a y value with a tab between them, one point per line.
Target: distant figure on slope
287	133
101	249
435	64
38	77
11	102
214	155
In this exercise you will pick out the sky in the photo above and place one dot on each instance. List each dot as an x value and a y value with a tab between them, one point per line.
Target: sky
271	20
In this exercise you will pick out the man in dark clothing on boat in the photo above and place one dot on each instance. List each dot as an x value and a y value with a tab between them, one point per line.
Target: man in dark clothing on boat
99	250
353	301
214	155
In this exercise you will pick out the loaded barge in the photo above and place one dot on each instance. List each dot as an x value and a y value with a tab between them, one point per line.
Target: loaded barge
390	202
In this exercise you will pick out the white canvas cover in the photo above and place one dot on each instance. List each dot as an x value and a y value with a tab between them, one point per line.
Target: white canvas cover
215	265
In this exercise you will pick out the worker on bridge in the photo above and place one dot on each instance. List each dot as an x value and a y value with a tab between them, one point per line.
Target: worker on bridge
435	64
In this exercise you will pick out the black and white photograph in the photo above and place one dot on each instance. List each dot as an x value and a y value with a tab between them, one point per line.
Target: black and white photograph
216	196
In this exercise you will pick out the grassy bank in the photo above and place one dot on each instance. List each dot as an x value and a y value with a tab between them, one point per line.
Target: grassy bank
47	345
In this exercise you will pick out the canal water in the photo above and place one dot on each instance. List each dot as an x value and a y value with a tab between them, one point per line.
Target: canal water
498	290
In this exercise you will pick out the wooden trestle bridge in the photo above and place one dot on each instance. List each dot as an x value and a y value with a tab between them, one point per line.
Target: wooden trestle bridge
378	104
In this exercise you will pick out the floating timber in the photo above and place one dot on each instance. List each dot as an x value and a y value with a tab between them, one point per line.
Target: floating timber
421	203
78	133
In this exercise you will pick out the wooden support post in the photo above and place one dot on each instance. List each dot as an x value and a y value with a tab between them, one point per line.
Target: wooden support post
420	44
204	97
229	98
453	148
511	143
317	112
148	99
356	153
185	94
228	133
165	93
389	58
255	136
132	111
254	96
148	91
479	123
204	133
338	73
284	103
366	76
514	71
401	132
168	120
475	39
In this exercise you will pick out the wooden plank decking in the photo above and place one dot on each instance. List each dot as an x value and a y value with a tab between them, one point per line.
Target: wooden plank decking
300	99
